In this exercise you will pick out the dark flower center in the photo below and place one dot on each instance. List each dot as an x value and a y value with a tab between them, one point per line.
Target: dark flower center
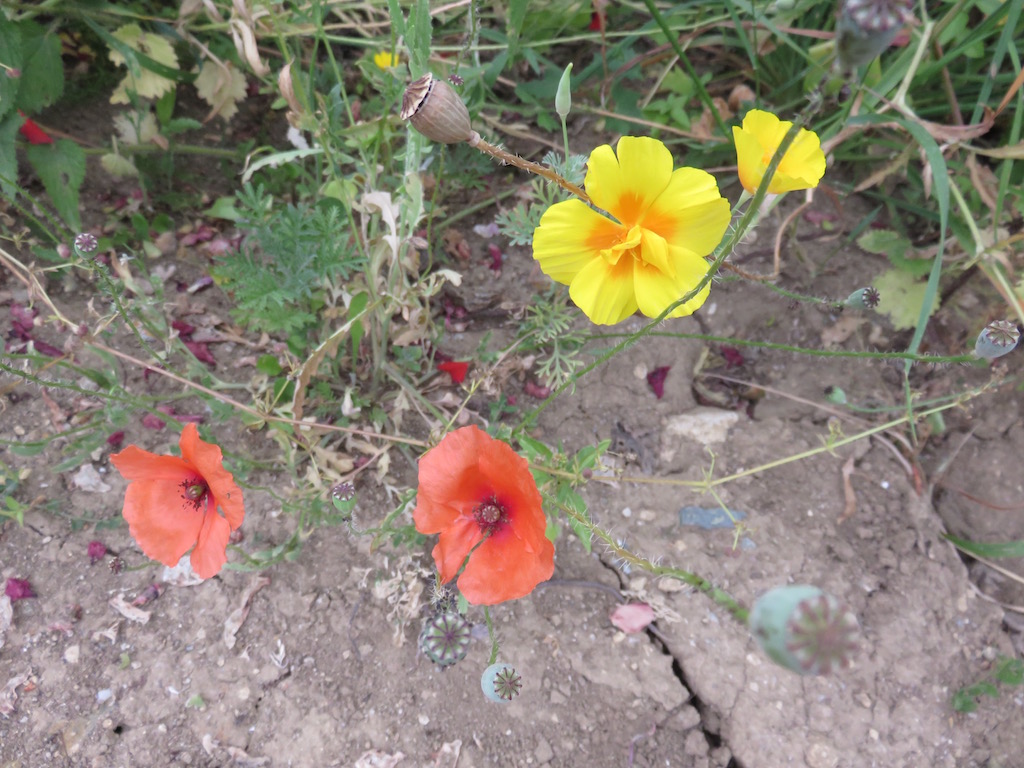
489	515
194	491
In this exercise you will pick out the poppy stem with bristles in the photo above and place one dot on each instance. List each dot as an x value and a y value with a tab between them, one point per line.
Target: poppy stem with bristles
528	166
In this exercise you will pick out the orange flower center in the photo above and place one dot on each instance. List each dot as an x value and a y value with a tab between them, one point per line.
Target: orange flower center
489	515
194	491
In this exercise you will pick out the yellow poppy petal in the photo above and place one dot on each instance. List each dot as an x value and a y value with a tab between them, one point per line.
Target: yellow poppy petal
626	182
569	237
691	212
655	290
804	160
748	159
654	252
605	291
756	142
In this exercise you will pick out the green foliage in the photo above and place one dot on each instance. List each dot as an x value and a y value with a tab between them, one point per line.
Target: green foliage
548	330
1007	671
518	224
296	255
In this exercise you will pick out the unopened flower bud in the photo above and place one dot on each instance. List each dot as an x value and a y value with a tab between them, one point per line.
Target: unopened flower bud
435	110
865	298
501	683
563	96
804	629
997	339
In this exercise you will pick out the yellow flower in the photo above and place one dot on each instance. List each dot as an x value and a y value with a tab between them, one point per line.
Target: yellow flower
802	166
386	59
652	252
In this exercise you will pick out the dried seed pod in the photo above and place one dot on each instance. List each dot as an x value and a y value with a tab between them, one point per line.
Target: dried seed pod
435	110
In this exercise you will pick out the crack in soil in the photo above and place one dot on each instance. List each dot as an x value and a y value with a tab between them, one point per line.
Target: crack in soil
707	713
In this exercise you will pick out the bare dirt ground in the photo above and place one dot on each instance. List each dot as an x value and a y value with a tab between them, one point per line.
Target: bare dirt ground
324	670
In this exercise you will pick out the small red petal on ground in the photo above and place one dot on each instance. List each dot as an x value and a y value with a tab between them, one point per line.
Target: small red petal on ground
149	421
632	617
596	22
116	438
33	133
656	380
536	390
733	357
97	551
454	369
184	329
496	256
202	352
18	589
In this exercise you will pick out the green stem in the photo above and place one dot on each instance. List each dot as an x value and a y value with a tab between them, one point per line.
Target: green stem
702	92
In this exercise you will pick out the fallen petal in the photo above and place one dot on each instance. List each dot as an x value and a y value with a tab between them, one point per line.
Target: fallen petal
632	617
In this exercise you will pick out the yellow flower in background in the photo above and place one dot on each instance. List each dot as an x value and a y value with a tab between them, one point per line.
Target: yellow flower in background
652	252
386	59
756	141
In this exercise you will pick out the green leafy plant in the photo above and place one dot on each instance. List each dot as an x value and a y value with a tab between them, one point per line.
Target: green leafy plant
1006	671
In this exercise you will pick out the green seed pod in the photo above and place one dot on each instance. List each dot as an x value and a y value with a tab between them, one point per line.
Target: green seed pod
865	298
444	638
501	683
998	338
804	629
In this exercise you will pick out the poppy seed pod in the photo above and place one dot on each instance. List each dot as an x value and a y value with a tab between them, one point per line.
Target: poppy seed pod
435	110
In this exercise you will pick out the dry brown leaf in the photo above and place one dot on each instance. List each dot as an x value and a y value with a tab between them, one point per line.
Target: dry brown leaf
129	611
234	622
848	493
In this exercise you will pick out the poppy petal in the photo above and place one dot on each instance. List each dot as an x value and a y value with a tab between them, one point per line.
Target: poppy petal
498	570
614	183
691	211
455	542
163	523
655	290
136	464
33	133
569	237
208	462
210	552
605	291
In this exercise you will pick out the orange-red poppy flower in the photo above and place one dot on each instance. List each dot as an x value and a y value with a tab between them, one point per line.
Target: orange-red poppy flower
480	496
171	504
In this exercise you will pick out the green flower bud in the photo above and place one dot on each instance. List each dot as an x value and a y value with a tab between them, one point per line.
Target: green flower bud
563	96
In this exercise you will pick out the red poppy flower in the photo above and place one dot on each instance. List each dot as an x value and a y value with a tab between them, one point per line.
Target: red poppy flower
32	132
171	503
480	496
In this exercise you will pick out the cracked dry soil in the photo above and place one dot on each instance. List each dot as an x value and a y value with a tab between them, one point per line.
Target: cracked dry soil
325	671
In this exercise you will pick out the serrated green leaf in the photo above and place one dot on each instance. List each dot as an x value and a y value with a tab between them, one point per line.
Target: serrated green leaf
42	73
118	166
61	167
884	242
902	297
8	158
534	448
224	208
963	702
11	55
139	51
1010	671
